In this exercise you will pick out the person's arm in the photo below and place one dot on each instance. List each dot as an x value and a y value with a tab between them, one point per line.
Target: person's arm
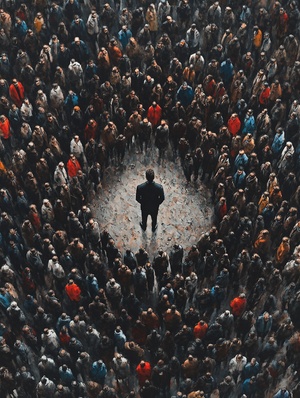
161	196
138	196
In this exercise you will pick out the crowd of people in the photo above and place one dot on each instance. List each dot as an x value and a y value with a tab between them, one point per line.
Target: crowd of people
214	84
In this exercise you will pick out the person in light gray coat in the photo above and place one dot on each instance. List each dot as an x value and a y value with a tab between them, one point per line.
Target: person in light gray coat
56	98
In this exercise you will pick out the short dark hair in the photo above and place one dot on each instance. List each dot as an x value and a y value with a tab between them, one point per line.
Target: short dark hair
150	175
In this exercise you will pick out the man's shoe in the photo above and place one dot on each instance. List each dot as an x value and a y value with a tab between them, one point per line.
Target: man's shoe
154	228
142	226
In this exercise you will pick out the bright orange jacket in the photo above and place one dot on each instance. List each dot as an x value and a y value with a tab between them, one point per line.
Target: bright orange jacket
257	39
73	291
200	330
143	373
262	244
283	253
262	203
5	129
38	23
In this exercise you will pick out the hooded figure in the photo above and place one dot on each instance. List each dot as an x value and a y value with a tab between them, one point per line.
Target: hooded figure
56	97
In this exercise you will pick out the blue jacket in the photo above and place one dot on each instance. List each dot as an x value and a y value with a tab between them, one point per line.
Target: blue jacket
240	161
63	322
226	71
239	180
71	101
249	388
98	372
250	370
124	37
249	125
278	143
5	300
21	30
92	286
185	96
217	294
66	376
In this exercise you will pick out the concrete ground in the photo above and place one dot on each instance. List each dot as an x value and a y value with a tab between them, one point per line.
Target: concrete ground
183	216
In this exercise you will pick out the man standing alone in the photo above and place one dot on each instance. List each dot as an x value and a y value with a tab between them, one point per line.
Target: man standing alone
150	195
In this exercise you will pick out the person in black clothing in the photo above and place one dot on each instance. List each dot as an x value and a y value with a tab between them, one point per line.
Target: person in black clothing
150	195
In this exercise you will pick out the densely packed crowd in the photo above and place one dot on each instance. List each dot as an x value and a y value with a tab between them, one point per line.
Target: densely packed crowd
81	86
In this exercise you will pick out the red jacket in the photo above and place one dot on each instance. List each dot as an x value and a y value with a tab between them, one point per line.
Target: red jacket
234	125
73	166
143	373
154	115
64	338
238	306
264	96
210	88
35	220
17	97
222	210
90	131
283	21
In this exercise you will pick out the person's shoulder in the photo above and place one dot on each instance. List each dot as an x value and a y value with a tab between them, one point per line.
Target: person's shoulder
158	186
143	185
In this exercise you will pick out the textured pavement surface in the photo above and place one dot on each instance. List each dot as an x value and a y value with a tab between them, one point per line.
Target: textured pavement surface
183	216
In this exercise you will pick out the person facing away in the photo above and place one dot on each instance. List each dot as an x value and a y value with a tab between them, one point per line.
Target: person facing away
150	195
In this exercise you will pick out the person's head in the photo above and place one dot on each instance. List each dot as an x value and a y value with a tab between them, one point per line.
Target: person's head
150	175
253	361
266	316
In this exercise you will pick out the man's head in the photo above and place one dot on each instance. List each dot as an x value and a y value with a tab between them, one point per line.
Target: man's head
150	175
